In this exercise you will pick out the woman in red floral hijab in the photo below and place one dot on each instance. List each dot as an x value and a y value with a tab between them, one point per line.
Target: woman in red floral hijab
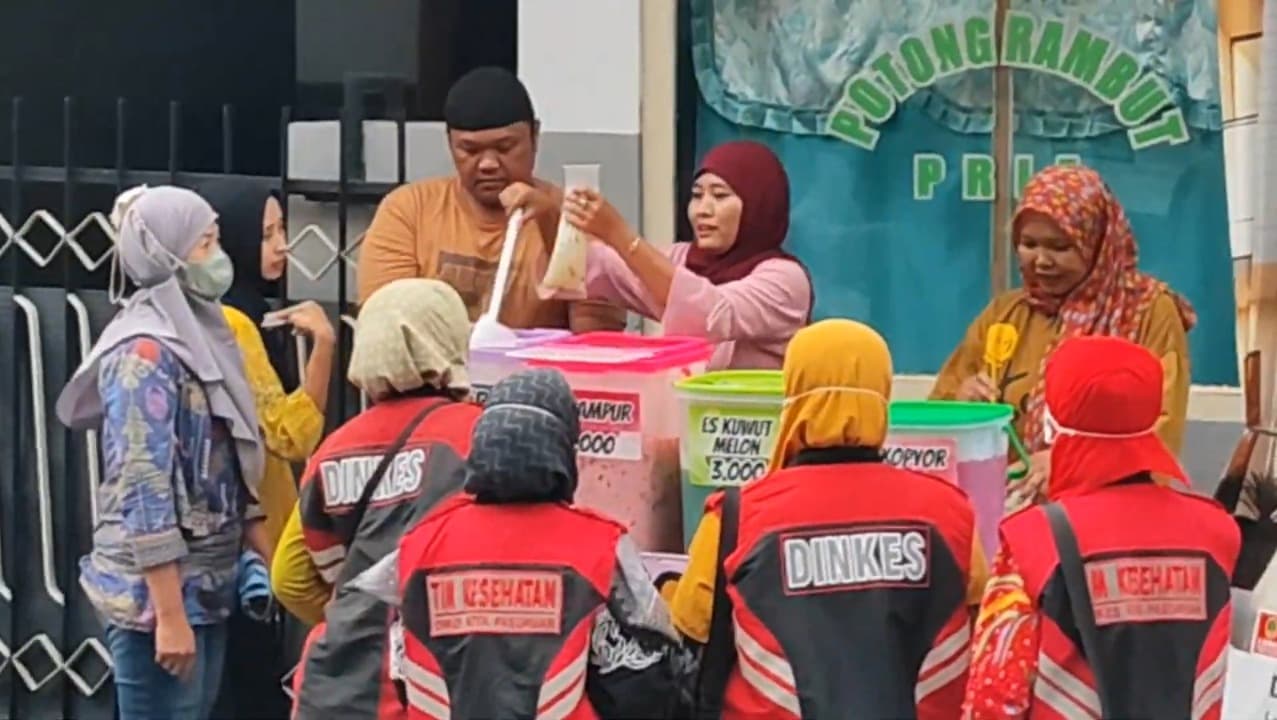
1079	265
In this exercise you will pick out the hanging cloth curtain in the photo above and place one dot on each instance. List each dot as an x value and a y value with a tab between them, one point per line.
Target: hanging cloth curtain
783	65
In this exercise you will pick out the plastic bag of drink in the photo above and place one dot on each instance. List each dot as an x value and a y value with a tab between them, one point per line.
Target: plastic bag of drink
565	273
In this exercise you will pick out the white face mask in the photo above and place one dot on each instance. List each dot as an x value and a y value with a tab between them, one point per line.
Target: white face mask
1052	429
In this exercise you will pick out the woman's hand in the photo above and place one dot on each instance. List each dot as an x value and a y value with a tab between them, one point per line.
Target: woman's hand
977	388
175	645
309	319
1032	488
592	214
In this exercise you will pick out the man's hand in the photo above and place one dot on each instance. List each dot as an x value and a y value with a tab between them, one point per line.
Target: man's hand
535	202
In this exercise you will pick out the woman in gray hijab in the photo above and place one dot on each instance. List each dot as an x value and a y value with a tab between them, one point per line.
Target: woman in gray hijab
181	454
518	603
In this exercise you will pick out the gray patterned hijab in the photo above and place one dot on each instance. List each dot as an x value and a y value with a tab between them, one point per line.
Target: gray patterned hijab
162	226
524	445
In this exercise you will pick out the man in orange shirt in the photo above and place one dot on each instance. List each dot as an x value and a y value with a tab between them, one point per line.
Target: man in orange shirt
452	228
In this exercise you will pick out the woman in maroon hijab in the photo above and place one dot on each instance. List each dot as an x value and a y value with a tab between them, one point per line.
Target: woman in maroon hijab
734	285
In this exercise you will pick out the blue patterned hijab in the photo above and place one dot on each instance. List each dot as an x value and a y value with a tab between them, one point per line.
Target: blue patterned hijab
524	445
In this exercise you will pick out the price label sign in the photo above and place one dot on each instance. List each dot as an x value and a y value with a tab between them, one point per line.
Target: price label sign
931	455
1264	638
731	446
611	427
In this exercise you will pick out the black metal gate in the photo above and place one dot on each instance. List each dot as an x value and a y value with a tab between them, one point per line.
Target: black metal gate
55	257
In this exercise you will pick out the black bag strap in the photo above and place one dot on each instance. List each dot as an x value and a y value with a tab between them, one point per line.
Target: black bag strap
374	481
719	655
1079	594
383	466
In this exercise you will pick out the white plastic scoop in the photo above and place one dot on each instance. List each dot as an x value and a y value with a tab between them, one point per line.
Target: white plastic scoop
488	332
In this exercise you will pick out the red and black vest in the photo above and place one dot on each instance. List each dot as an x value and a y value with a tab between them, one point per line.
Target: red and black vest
849	595
499	602
344	671
1157	564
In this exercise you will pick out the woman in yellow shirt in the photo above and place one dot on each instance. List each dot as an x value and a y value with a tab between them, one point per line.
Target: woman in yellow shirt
1078	261
251	222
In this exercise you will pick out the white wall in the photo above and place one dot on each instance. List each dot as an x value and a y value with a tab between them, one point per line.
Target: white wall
1239	172
1240	144
581	62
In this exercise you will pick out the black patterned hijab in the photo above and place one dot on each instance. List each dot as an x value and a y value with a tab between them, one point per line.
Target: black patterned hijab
524	445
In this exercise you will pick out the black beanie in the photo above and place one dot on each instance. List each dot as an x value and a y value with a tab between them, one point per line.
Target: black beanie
486	98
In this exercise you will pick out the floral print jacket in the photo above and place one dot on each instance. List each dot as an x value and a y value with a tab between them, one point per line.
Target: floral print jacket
171	491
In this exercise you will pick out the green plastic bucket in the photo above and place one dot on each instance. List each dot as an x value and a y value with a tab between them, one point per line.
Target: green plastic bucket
964	443
731	421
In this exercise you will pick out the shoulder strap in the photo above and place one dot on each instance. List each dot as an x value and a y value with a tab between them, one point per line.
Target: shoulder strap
374	480
361	506
1078	592
719	654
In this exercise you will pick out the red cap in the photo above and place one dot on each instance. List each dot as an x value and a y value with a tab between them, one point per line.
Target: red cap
1104	395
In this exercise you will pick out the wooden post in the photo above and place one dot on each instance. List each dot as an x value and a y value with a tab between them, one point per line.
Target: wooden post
1003	175
657	127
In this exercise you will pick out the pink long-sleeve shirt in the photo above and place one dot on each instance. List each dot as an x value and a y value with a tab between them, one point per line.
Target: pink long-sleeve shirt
751	319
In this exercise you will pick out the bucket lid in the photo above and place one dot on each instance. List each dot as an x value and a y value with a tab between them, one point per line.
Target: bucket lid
523	338
758	383
603	351
947	414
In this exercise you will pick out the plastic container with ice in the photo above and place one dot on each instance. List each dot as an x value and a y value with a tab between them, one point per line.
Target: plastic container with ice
492	364
564	277
630	421
731	418
964	443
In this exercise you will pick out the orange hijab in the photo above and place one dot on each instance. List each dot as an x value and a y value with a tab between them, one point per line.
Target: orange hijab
837	377
1115	296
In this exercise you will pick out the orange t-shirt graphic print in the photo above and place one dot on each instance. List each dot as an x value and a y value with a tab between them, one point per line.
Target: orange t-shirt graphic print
471	277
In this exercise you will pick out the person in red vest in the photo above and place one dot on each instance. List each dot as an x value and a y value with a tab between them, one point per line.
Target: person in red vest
517	604
1112	601
374	476
847	583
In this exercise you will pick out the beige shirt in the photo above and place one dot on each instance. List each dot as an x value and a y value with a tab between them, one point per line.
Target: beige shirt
1162	333
429	229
